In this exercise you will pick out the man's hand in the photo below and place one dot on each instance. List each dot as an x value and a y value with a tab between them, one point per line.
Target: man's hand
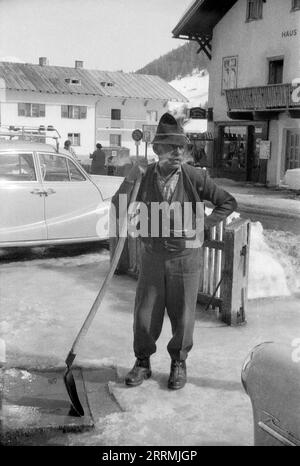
135	172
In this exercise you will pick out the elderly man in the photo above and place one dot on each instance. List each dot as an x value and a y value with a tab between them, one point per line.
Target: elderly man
170	266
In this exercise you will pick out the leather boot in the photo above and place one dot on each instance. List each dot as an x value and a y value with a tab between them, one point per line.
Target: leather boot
140	371
177	377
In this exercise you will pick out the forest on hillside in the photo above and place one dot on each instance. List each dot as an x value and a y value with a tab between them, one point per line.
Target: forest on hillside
179	62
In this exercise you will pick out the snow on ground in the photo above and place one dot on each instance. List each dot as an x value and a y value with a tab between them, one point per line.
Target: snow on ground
82	259
33	317
153	416
44	304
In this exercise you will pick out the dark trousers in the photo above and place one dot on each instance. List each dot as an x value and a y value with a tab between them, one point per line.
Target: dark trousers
167	280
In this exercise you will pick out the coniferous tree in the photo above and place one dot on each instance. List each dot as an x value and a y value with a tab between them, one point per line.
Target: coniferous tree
179	62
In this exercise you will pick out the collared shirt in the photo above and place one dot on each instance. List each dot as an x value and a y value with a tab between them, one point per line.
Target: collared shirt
167	185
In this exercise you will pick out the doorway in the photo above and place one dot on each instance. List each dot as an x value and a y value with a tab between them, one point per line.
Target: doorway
292	149
237	155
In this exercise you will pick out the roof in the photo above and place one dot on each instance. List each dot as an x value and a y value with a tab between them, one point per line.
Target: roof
201	17
52	80
6	145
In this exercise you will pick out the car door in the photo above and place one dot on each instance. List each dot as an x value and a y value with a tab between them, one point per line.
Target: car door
22	209
73	205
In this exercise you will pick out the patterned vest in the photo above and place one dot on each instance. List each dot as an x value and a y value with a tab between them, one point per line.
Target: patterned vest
172	226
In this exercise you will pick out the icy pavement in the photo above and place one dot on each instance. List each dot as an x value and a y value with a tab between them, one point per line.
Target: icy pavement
44	303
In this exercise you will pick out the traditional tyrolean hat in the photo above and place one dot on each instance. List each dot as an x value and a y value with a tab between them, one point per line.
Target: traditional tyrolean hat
169	131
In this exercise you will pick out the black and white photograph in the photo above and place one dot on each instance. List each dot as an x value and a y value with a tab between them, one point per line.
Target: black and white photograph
149	226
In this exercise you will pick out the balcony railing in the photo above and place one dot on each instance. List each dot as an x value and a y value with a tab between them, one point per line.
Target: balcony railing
272	97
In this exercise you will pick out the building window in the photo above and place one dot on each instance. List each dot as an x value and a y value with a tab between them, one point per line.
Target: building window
293	149
115	114
115	140
254	9
295	4
77	112
276	71
31	110
151	116
229	73
74	138
73	81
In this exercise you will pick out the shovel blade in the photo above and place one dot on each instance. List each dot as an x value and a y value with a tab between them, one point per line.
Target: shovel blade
72	392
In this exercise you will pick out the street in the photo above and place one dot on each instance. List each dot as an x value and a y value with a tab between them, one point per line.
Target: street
273	222
46	294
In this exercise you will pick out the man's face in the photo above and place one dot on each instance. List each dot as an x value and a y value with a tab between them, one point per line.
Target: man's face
171	155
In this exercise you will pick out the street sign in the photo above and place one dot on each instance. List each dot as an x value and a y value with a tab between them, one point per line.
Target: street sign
137	135
149	132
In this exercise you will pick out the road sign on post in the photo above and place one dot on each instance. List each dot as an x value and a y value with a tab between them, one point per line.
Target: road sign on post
149	132
137	143
137	135
148	135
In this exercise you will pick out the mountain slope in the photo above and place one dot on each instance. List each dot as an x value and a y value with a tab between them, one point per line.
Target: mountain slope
179	62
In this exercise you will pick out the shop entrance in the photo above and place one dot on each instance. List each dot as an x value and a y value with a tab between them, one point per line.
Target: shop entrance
237	155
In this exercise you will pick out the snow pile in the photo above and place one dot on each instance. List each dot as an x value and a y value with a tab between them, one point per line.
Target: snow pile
14	373
292	178
286	248
266	275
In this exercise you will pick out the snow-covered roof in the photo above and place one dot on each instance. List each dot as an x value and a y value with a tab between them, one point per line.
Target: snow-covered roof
80	81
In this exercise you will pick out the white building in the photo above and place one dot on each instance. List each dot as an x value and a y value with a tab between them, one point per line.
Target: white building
254	87
85	106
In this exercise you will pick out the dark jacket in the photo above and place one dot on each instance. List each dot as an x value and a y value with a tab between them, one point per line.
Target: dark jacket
98	162
198	186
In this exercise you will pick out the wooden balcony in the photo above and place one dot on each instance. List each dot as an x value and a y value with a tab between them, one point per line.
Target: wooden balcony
272	98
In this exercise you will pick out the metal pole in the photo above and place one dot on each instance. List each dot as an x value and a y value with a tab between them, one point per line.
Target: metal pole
146	146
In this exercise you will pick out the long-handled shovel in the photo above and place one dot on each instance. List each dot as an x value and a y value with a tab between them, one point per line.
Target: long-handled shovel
68	377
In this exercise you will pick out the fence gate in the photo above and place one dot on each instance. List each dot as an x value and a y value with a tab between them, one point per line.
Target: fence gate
225	262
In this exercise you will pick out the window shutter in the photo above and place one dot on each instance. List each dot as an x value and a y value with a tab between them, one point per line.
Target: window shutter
64	111
42	112
21	109
83	111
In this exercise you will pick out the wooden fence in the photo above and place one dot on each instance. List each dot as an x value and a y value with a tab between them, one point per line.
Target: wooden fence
225	264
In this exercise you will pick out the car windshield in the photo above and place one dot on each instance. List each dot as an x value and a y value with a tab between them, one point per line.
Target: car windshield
17	167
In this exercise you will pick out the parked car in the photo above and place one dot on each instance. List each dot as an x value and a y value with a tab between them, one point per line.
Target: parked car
271	378
46	197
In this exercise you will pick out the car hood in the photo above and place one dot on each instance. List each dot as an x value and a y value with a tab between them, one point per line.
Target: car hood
108	185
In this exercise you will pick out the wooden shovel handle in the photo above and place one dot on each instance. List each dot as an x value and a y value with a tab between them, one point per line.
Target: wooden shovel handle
114	262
